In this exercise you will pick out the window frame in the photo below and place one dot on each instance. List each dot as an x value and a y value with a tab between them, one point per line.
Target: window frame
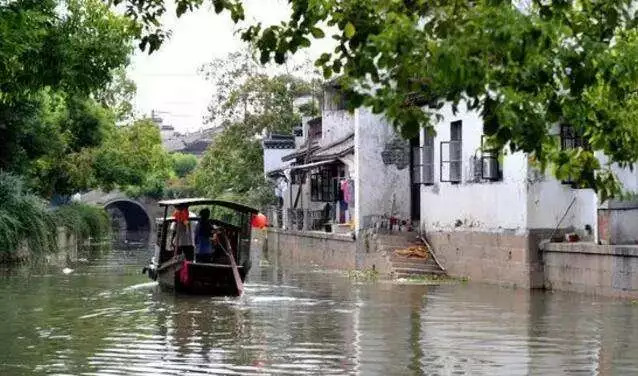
427	151
323	183
456	138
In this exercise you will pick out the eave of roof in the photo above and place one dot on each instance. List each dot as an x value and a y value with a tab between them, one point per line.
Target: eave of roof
336	149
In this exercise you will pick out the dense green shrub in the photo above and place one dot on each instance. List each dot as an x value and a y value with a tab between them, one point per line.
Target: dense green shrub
25	217
84	220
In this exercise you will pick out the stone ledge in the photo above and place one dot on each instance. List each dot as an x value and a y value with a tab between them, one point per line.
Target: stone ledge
312	234
591	248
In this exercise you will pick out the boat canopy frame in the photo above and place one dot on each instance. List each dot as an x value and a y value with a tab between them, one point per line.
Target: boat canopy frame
245	212
200	201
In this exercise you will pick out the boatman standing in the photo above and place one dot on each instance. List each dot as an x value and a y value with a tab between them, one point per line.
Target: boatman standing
182	238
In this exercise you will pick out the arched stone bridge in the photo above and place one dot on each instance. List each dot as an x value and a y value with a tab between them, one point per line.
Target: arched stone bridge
135	215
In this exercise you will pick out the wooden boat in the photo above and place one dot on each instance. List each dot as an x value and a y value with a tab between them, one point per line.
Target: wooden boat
225	274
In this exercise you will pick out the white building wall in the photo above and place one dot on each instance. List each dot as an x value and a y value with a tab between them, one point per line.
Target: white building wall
627	177
482	206
336	125
272	158
523	200
379	188
548	201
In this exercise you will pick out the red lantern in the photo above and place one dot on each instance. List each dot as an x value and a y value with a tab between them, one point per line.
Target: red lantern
259	221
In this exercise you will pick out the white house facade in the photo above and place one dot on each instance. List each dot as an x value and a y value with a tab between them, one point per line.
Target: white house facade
349	171
485	212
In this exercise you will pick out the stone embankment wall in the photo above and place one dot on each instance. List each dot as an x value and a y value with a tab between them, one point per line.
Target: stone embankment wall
517	260
493	257
590	268
309	248
67	251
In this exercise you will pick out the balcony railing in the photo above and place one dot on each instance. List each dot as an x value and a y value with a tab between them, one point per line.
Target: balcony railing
309	220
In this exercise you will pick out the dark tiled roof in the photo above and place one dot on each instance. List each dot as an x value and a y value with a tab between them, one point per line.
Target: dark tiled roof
303	151
279	141
336	149
278	144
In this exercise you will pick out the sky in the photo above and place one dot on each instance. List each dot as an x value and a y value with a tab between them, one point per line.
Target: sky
168	80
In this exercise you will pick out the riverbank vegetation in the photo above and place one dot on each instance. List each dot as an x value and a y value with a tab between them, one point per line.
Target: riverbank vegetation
27	220
66	121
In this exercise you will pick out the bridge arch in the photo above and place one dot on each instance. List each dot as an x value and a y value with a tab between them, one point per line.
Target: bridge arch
129	215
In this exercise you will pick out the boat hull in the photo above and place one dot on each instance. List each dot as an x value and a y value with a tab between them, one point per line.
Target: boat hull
200	278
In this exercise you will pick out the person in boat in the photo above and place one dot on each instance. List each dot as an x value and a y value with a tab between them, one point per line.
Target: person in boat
182	238
203	233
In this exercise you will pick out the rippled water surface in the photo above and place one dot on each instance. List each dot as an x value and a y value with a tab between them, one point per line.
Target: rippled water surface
105	318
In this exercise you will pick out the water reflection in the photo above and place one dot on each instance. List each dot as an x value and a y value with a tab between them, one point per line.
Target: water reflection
105	318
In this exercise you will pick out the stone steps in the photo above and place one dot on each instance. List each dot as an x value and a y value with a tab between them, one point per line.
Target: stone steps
402	266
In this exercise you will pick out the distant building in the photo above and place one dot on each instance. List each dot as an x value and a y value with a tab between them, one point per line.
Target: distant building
194	143
276	146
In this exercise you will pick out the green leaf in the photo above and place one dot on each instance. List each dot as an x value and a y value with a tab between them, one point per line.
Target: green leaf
327	72
349	30
336	66
269	39
317	32
304	42
181	8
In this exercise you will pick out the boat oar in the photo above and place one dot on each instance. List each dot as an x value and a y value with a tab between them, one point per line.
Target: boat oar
233	264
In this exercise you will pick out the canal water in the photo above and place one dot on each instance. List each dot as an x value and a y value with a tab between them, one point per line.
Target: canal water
105	318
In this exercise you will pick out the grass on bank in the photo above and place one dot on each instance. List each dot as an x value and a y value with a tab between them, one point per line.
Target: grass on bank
433	279
372	275
26	219
87	221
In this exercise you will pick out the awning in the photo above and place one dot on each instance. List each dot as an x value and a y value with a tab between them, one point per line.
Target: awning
310	165
280	171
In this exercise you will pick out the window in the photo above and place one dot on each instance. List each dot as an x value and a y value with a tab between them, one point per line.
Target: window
416	164
323	185
451	155
423	161
428	158
570	138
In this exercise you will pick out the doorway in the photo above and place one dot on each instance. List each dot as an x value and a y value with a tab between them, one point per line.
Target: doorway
415	179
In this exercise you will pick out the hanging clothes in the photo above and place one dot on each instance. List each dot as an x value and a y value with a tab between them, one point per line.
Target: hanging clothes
343	207
349	197
345	189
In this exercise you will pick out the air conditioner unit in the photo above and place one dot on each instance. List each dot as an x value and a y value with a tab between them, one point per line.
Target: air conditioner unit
490	167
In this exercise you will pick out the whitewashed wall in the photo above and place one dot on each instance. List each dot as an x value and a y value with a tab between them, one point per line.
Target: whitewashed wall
486	206
548	201
377	185
522	200
627	177
272	158
336	125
